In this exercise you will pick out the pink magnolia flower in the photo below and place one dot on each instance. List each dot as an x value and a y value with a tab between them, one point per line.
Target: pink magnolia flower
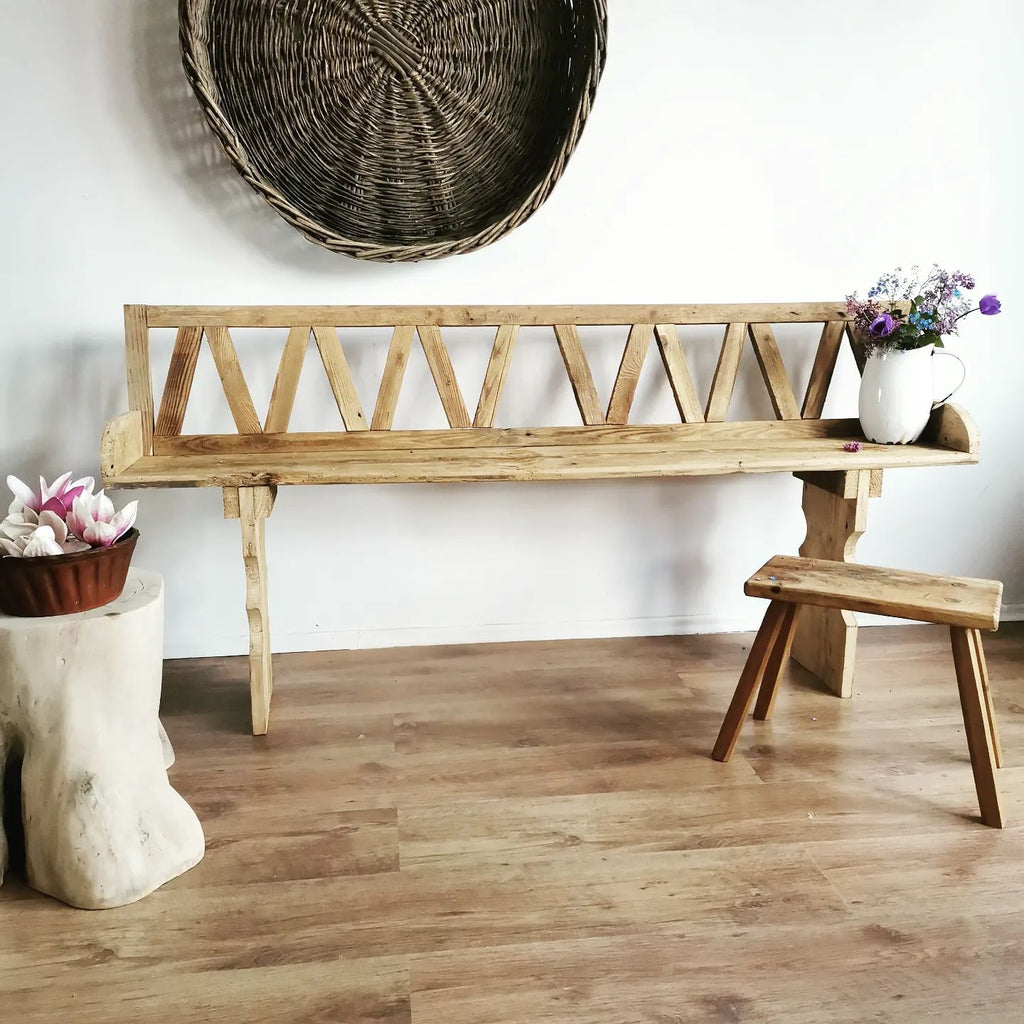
92	518
56	497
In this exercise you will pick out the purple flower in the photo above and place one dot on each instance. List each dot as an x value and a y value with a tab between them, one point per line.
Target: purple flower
882	326
852	446
989	305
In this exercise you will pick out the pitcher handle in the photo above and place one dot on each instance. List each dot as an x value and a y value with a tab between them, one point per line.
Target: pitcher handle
963	375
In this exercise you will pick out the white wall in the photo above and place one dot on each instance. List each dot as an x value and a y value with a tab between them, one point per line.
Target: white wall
739	151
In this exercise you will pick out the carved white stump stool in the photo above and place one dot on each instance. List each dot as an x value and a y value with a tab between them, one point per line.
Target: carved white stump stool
79	699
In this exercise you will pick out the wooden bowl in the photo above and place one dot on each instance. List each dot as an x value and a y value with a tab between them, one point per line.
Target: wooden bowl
64	584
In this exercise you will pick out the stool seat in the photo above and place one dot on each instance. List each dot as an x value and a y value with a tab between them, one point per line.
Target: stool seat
965	605
949	600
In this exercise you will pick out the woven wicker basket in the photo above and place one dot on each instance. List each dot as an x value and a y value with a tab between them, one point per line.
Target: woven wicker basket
397	129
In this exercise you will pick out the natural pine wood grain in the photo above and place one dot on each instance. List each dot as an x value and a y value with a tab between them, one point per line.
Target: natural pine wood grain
580	376
822	370
493	316
122	444
556	462
521	833
340	377
835	507
632	362
494	378
394	374
777	659
679	378
235	389
286	383
926	597
724	382
443	372
976	726
178	386
254	505
138	372
769	358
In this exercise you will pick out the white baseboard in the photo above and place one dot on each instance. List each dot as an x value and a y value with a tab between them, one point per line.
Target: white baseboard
429	636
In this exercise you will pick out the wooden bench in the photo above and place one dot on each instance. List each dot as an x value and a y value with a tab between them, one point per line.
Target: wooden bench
965	605
146	447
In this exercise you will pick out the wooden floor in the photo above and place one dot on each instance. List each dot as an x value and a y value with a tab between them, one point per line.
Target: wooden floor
536	833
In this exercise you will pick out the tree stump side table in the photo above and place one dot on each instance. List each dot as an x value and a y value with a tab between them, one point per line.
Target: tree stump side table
79	704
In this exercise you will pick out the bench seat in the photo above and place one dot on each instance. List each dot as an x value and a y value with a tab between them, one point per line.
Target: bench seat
462	456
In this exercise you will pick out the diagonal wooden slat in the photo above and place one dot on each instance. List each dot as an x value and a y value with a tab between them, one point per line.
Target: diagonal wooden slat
340	377
494	378
391	381
580	377
444	376
858	348
633	356
822	370
235	389
769	358
286	383
178	385
678	373
724	381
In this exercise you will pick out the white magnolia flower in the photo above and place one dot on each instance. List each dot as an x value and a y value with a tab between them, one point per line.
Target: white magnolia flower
41	541
92	519
20	529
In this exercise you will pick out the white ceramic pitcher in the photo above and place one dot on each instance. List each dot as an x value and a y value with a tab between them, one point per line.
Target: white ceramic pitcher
897	393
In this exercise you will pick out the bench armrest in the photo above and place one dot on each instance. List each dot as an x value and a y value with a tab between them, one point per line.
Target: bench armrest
952	427
121	446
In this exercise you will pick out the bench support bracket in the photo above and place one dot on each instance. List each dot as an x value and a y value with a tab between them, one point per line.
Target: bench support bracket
252	506
836	509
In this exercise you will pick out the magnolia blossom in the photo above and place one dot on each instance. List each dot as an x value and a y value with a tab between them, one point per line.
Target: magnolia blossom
28	533
61	518
989	305
92	519
56	497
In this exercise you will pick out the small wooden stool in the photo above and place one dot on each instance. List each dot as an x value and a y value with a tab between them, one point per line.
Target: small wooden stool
965	605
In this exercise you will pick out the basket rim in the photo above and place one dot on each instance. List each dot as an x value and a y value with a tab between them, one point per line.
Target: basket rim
129	539
194	38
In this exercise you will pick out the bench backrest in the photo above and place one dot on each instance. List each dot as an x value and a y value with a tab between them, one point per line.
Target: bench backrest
648	326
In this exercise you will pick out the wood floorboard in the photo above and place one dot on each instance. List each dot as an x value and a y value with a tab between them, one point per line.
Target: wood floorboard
535	833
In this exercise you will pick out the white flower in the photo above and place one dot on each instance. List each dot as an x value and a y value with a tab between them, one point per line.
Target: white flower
92	518
20	529
41	541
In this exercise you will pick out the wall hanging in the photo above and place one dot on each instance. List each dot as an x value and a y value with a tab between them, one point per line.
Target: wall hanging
397	129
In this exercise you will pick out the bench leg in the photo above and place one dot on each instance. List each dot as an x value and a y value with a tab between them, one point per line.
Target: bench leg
979	653
976	724
753	671
836	509
253	506
777	659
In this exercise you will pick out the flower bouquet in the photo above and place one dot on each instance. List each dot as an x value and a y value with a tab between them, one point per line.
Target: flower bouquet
900	327
63	548
902	312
